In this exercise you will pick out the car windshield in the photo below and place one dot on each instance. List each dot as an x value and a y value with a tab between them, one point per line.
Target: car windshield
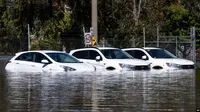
160	53
63	58
115	54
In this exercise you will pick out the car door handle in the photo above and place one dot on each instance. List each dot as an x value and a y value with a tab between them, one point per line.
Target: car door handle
33	65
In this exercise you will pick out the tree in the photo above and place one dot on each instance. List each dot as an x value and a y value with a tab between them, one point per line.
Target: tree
178	23
124	20
51	30
193	8
9	38
47	19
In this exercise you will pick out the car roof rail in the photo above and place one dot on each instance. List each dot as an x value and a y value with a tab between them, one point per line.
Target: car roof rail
91	47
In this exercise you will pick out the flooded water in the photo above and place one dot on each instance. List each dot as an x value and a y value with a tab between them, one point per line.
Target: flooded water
99	92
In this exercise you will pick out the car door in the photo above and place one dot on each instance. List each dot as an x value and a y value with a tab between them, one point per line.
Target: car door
24	62
38	65
92	58
137	54
88	56
82	55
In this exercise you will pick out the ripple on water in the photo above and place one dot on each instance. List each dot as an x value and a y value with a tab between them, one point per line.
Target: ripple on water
107	91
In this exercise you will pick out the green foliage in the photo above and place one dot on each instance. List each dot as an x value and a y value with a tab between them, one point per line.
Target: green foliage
9	33
50	31
119	22
178	20
51	44
52	28
47	20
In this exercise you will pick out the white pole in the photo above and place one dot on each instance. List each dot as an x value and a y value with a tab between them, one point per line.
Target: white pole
94	19
84	36
83	30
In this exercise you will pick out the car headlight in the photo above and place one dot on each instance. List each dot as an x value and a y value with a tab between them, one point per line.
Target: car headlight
173	65
66	68
126	66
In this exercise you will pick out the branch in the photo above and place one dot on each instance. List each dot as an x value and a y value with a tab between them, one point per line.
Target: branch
139	9
134	10
73	9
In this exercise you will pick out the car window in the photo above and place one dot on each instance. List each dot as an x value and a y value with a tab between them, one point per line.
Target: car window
160	53
93	54
138	54
115	54
39	57
81	54
25	57
131	52
63	58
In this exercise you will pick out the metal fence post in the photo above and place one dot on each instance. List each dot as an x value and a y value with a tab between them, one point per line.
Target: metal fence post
194	44
29	45
175	40
176	45
157	36
144	37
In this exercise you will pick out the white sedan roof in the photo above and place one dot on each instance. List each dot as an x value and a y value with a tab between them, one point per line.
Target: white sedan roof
40	51
151	48
106	48
90	48
145	48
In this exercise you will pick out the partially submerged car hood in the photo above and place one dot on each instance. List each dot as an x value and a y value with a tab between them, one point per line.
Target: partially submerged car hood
130	61
79	66
176	61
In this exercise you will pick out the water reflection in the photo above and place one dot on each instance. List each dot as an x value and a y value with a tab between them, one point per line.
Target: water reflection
198	89
174	91
2	90
108	92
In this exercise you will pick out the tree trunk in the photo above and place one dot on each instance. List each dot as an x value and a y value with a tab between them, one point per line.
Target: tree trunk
136	11
24	38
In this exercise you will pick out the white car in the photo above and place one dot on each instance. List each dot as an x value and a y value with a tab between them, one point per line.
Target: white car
46	61
160	58
110	59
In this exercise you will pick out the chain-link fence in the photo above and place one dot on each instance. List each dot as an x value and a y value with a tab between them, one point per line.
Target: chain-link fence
180	46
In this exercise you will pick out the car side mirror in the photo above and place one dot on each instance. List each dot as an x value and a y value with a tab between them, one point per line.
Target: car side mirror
98	58
144	57
45	61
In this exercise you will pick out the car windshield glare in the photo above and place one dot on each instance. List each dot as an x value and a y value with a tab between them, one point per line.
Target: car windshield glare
115	54
63	58
160	53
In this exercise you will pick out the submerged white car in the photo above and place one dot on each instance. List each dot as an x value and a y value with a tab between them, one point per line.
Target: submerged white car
160	58
46	60
110	59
